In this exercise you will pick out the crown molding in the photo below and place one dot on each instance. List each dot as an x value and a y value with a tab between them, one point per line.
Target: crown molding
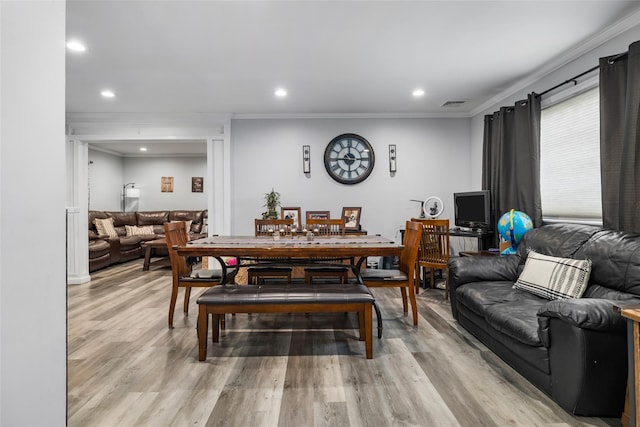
301	116
628	22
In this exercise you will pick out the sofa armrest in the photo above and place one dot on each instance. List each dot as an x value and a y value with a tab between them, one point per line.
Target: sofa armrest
587	313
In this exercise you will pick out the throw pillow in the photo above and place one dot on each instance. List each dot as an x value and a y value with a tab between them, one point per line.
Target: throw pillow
144	230
105	227
554	278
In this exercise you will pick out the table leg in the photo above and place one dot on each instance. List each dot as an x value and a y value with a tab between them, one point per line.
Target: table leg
147	257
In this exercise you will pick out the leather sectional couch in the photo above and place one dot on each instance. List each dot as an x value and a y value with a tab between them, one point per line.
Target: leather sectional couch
575	350
105	250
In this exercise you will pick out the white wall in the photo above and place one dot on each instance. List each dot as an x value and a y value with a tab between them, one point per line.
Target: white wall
105	181
146	173
108	173
433	159
32	203
584	62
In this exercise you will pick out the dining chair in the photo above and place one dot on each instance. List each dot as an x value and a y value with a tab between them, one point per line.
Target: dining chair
182	272
325	227
434	250
403	277
265	228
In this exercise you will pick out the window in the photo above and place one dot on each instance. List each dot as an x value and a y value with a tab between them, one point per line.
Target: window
570	159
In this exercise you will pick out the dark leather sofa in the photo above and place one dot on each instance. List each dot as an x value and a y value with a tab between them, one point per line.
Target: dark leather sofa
575	350
105	250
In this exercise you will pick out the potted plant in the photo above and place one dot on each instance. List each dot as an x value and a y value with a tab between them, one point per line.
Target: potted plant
272	201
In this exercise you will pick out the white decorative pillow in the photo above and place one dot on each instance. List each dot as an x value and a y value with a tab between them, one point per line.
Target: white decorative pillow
144	230
554	278
105	227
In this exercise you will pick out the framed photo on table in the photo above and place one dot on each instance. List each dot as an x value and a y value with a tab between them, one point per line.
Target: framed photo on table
318	215
351	217
291	213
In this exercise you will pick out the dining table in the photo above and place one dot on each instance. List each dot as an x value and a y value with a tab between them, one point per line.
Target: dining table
294	250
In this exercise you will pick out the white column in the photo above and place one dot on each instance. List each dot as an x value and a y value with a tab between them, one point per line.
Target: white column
77	212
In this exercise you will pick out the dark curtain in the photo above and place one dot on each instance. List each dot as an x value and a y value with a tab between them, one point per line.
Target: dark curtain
619	150
511	159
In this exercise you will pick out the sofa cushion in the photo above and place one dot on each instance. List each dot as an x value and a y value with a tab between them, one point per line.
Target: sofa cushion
195	216
554	277
152	217
128	243
510	311
120	219
105	227
517	319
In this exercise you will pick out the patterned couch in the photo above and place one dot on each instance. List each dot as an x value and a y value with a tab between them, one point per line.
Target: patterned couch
116	237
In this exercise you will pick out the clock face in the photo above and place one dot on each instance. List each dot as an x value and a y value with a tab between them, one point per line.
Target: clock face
349	158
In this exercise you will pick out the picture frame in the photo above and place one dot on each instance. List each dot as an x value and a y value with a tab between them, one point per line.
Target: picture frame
293	213
197	184
166	184
351	217
317	215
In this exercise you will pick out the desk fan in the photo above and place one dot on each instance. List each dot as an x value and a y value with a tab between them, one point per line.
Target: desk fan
433	207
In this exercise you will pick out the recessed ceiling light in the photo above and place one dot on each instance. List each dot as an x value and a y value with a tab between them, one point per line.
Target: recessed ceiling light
418	93
107	93
76	46
280	93
143	148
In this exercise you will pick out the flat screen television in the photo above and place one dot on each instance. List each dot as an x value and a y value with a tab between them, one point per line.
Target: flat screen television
473	209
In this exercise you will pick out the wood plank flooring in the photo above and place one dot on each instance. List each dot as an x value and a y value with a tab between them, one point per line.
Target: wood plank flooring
126	368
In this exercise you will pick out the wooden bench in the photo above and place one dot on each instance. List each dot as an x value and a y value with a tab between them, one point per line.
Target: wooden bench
285	298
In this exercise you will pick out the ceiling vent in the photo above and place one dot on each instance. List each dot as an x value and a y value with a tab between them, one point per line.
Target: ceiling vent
453	104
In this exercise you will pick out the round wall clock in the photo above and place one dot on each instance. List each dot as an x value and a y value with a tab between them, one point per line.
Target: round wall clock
349	158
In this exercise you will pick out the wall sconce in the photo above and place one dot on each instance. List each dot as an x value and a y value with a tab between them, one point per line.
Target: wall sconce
392	157
129	193
306	159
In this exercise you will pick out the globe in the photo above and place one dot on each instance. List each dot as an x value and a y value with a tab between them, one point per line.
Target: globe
513	234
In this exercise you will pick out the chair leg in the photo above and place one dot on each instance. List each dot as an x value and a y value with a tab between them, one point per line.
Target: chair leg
412	299
172	304
432	274
187	295
405	307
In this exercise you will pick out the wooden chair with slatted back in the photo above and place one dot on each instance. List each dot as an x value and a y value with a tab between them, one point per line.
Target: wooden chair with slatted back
182	272
434	250
402	278
325	227
265	228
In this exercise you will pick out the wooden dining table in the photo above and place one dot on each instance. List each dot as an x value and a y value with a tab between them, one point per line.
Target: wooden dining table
294	250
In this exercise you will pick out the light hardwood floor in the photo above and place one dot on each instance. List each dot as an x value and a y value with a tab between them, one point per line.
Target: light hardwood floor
126	368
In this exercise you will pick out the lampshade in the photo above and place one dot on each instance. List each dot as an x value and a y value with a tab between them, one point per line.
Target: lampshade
133	193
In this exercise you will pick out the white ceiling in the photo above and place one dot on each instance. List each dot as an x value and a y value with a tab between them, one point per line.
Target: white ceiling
333	57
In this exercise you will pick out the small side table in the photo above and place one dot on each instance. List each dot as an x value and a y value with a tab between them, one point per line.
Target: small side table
631	414
150	250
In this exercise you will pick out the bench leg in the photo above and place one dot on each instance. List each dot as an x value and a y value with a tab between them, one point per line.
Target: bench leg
215	328
203	320
368	331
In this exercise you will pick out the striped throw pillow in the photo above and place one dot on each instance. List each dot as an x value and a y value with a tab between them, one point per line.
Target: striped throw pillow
554	278
144	230
105	227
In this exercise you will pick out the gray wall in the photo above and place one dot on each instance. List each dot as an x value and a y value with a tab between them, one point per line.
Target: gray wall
108	173
433	159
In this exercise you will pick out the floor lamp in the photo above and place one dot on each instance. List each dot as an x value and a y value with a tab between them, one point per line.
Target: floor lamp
129	193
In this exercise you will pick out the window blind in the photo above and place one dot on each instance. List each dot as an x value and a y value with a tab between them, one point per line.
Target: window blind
570	158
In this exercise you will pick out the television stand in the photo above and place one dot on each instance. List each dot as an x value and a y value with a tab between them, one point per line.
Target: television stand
485	238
